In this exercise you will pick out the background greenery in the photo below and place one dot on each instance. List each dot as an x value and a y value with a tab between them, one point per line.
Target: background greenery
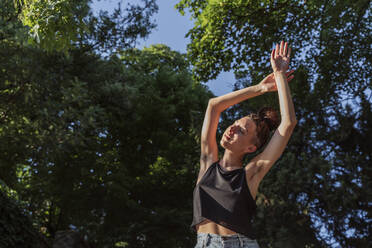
104	138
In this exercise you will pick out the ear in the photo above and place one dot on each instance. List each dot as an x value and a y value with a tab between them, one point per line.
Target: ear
250	149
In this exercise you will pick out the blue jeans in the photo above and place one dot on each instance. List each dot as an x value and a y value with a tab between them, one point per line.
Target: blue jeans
210	240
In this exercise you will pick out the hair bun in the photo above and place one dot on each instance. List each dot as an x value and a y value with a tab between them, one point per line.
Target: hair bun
270	117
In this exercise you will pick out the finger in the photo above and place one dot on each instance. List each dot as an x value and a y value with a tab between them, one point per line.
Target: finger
281	47
289	52
285	48
276	50
290	78
272	54
289	72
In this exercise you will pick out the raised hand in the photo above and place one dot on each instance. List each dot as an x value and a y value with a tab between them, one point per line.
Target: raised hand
268	83
280	57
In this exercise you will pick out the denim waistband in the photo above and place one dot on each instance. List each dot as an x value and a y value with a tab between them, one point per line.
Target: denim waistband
207	238
224	237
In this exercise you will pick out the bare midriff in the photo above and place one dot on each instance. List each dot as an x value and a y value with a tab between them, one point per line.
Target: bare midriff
208	226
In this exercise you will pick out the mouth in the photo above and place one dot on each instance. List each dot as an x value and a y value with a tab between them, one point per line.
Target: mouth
227	137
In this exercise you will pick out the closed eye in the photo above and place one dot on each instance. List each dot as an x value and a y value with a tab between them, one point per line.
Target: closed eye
241	130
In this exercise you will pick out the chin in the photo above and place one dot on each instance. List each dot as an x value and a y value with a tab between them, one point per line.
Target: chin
225	144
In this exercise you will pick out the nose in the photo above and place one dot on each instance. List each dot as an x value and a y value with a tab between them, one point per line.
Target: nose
233	129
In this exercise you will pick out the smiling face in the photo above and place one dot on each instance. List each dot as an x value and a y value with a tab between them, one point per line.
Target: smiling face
240	137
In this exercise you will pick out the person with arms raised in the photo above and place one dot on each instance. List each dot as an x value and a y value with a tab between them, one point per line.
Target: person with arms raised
224	196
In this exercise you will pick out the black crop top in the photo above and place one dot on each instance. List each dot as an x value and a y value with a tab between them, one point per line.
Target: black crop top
223	197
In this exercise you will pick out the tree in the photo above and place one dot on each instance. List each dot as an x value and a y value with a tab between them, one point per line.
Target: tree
62	24
16	226
86	141
323	178
89	142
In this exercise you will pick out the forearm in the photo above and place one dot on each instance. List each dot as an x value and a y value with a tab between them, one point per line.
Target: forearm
223	102
288	116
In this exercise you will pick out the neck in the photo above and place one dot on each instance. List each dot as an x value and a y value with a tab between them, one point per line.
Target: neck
231	160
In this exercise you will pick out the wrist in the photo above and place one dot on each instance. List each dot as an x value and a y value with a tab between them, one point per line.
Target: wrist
279	72
261	88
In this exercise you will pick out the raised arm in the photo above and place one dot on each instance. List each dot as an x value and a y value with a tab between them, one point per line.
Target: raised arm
280	58
209	150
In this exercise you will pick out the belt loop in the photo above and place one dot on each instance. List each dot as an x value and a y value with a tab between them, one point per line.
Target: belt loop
207	240
241	240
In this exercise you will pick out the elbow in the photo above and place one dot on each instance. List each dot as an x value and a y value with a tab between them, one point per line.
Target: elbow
288	126
214	101
293	123
213	104
290	122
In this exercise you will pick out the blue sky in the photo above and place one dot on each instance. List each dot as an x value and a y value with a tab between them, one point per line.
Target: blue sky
171	30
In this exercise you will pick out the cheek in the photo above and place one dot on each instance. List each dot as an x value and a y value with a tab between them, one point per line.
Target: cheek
248	140
253	139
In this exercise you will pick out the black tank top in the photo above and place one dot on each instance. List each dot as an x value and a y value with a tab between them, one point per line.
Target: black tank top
223	197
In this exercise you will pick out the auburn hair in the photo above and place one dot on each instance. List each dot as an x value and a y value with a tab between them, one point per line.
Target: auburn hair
266	120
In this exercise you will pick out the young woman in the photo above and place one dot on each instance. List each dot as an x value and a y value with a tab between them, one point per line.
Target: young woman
225	192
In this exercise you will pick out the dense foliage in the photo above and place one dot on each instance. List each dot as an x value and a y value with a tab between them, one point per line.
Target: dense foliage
325	174
107	146
62	24
16	226
103	138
